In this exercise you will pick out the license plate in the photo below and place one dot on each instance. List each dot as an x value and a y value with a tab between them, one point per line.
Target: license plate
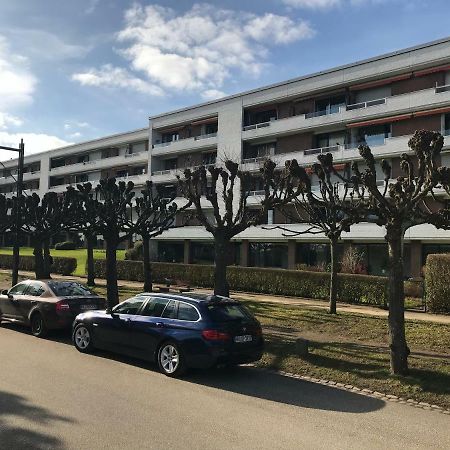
85	307
243	338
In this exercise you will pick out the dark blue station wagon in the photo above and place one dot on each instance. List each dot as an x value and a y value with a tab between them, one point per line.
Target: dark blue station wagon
177	331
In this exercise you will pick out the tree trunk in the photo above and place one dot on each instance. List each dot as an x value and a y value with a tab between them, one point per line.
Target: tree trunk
90	259
39	265
48	260
398	346
112	291
147	267
333	276
221	249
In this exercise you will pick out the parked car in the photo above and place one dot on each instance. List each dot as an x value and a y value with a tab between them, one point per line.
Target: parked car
177	331
45	305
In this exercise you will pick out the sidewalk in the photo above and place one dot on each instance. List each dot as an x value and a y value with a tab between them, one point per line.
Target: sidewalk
291	301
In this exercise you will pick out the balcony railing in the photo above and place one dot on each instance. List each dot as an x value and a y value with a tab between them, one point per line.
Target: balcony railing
196	138
180	169
257	125
256	193
445	88
323	112
255	160
315	151
205	136
379	101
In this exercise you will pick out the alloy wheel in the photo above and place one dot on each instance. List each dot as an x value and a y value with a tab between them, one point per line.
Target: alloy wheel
169	358
82	338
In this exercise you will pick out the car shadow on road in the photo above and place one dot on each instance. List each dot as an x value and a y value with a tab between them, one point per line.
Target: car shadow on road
16	408
284	389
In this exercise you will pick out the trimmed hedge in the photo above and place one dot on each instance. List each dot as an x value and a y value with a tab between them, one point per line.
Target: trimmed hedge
66	245
352	288
437	286
62	266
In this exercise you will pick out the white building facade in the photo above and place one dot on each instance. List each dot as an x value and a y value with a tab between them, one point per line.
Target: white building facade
381	101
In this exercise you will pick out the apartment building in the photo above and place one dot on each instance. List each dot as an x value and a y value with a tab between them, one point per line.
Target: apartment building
381	101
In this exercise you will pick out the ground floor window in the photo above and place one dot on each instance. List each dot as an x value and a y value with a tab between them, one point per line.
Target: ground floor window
171	252
266	254
315	254
202	253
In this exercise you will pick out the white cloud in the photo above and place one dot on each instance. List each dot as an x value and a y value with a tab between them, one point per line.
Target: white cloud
75	124
75	135
197	50
34	143
7	120
212	94
115	77
16	82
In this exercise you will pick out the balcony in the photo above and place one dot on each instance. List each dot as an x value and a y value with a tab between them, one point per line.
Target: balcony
159	176
182	145
97	164
26	177
410	102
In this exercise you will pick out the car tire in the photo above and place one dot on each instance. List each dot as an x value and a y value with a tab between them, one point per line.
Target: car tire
38	327
171	360
82	338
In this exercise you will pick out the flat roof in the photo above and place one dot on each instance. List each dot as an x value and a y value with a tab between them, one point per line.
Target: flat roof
305	77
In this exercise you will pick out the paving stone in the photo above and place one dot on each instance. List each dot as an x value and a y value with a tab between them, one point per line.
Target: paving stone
410	400
349	386
332	383
340	384
424	404
392	396
368	391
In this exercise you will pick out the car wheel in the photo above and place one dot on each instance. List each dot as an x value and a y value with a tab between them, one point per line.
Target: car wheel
171	360
38	327
82	339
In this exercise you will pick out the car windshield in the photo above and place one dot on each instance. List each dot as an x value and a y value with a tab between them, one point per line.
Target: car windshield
221	312
69	289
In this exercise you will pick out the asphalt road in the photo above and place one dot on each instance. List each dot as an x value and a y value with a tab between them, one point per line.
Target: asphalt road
52	397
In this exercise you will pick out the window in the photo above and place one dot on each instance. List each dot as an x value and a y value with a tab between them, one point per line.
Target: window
170	311
447	125
187	312
170	164
223	312
69	289
130	306
35	288
330	105
209	158
155	307
18	289
211	128
170	137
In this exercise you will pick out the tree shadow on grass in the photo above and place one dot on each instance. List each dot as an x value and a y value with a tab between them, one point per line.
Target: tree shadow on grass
16	436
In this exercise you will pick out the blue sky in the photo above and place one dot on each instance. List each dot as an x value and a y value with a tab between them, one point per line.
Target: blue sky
76	70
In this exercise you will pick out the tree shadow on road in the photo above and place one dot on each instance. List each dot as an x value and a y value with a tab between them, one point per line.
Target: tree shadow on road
18	417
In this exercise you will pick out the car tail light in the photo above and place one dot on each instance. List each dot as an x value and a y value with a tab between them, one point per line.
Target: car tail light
214	335
62	306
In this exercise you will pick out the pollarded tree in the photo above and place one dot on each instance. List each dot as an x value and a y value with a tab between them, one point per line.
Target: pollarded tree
154	215
398	206
42	219
113	220
329	211
226	190
85	222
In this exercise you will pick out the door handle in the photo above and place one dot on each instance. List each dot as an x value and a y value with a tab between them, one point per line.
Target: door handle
159	324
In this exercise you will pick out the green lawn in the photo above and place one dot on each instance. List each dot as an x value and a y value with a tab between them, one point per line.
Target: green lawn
79	254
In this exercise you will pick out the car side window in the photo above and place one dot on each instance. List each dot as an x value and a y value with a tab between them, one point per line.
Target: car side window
18	289
187	312
35	289
154	307
130	306
170	311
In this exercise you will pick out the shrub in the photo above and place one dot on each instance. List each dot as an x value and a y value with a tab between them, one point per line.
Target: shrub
62	266
135	253
353	261
437	287
66	245
296	283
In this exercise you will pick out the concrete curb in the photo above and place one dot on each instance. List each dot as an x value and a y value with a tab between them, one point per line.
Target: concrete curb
356	390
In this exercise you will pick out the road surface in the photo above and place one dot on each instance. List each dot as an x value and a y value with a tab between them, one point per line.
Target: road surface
52	397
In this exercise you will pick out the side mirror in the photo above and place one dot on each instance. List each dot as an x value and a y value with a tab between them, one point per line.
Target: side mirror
5	292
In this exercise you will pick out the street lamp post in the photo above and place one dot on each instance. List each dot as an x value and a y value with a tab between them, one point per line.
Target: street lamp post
16	248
